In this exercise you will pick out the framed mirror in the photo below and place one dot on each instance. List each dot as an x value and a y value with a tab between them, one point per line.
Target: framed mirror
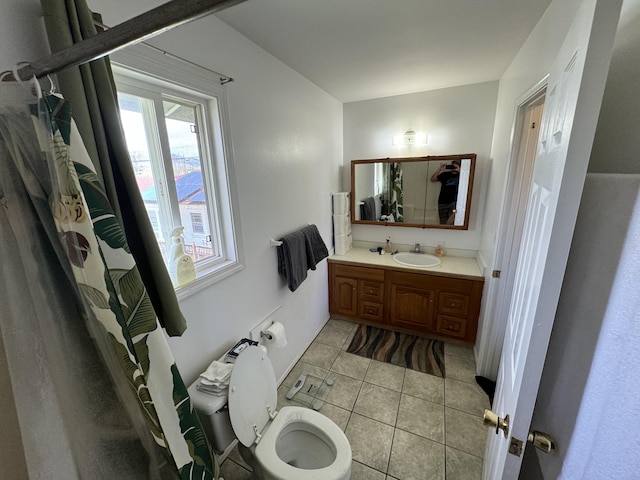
424	192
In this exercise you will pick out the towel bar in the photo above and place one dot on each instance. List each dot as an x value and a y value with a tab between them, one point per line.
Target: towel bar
278	243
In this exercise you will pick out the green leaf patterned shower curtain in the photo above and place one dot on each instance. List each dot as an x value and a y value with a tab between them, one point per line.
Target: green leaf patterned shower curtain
90	89
396	200
108	278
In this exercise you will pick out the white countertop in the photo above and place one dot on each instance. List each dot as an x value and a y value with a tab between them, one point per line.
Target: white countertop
450	266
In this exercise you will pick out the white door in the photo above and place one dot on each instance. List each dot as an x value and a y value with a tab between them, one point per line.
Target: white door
574	94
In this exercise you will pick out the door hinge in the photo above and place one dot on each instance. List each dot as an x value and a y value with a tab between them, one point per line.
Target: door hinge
515	447
496	273
193	128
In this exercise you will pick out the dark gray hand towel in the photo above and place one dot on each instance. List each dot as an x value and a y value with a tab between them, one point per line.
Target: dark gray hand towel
292	259
368	209
316	249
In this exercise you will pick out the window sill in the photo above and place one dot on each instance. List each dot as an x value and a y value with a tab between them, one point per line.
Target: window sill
209	277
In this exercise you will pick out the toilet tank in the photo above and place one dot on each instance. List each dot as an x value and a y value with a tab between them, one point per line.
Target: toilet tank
213	412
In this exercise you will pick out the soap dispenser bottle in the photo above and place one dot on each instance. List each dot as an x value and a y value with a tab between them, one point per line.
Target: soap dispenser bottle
387	247
181	267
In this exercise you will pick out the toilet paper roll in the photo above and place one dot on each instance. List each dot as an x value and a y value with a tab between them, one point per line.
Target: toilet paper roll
275	335
341	203
341	224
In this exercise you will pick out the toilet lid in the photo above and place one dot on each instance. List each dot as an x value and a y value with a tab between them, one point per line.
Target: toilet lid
252	389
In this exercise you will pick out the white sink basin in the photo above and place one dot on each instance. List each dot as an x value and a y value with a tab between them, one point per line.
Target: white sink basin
411	259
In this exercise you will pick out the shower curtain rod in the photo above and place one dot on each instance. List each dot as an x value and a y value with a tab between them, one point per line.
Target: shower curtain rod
224	79
135	30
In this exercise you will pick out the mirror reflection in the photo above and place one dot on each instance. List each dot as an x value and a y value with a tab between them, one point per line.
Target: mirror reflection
427	192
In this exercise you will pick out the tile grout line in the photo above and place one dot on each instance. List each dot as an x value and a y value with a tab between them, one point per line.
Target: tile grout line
444	421
386	472
395	424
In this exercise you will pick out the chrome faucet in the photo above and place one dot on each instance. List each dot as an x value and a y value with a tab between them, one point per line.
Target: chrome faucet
416	249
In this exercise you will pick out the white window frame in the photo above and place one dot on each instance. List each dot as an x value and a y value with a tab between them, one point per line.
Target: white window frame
138	66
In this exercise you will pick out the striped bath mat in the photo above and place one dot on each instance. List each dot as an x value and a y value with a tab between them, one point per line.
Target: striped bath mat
411	351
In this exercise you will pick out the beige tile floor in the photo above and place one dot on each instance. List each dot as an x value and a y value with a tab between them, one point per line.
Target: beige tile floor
401	424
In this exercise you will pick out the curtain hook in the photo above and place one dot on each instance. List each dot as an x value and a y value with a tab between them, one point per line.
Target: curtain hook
4	74
52	86
16	75
35	89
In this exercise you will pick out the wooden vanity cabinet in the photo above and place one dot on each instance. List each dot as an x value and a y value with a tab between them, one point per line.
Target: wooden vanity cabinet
442	306
356	292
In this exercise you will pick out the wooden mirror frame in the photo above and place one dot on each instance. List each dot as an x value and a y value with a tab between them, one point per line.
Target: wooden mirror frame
437	160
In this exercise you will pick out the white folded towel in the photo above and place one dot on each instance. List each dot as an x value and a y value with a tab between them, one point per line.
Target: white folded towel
213	389
217	372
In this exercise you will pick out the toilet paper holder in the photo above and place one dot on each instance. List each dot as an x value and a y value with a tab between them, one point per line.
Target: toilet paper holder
274	334
266	335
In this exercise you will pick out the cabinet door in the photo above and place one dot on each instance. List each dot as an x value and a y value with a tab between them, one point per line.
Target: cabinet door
345	296
412	307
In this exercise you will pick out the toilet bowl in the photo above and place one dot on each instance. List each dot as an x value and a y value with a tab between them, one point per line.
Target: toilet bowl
295	443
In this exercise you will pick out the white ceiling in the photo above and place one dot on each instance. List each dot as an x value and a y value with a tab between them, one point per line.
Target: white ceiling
363	49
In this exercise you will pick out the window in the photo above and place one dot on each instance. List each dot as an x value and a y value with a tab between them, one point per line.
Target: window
197	227
175	139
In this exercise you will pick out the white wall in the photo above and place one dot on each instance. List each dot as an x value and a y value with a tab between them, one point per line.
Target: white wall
287	148
616	148
457	120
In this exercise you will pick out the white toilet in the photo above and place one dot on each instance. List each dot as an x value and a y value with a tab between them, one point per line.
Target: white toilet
295	443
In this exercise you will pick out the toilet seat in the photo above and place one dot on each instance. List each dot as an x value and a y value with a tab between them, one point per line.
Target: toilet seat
253	400
253	396
316	424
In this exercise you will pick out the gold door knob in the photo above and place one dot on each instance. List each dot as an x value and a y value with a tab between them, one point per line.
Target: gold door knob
541	441
494	421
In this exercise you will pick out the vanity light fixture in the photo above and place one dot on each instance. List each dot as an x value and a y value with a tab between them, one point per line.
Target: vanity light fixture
409	137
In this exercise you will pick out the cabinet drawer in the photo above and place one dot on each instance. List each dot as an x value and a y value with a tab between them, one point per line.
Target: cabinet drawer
451	326
363	273
453	303
372	291
371	310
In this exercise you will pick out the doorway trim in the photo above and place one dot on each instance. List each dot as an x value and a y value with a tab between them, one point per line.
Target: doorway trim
518	184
